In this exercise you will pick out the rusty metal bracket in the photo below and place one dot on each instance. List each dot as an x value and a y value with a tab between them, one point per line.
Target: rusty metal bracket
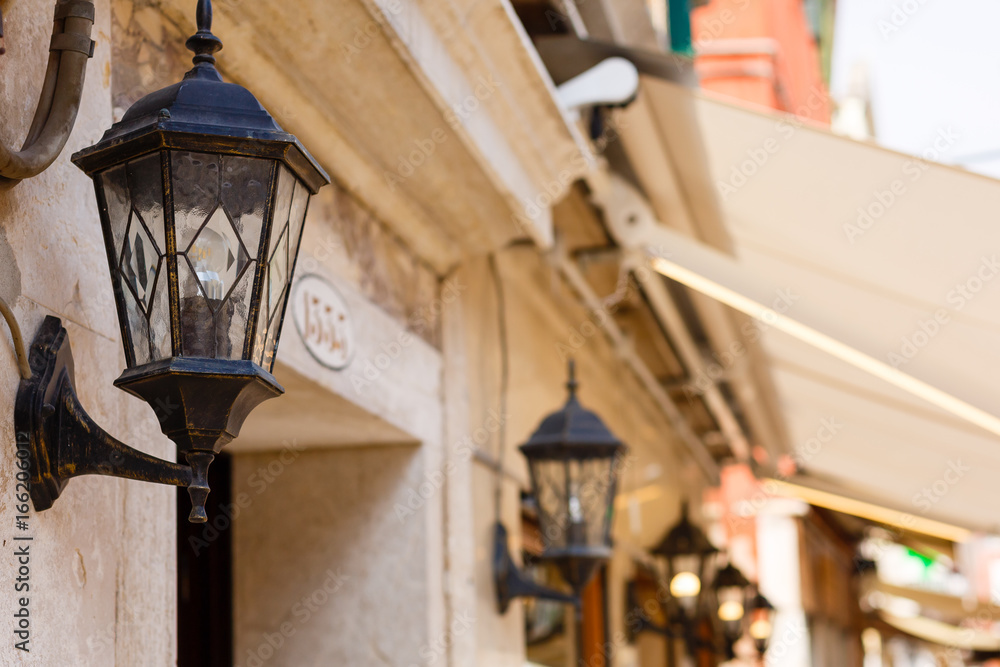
63	441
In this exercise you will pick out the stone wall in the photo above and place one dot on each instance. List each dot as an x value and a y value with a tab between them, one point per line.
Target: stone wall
102	565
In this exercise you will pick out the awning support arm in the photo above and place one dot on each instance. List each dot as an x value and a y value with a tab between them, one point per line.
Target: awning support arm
721	277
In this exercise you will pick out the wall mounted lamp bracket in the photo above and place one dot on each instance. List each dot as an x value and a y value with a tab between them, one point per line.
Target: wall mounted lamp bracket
64	442
511	583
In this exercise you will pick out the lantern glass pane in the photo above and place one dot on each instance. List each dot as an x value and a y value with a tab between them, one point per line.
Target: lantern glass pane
114	187
574	501
296	218
133	195
195	181
549	478
685	580
290	206
145	178
592	490
219	205
730	600
136	325
139	261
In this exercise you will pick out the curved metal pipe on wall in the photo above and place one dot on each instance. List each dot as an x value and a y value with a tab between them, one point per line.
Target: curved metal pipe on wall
55	115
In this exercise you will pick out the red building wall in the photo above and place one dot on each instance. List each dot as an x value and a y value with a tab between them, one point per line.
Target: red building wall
761	52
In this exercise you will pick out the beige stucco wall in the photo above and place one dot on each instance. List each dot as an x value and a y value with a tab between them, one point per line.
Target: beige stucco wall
102	559
326	569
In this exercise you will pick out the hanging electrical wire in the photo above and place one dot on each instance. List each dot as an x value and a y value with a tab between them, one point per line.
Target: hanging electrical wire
15	334
504	381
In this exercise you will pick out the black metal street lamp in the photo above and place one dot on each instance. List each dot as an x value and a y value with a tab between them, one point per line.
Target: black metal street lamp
761	625
687	551
202	198
730	588
574	460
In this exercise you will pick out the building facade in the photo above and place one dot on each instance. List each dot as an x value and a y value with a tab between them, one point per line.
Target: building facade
475	238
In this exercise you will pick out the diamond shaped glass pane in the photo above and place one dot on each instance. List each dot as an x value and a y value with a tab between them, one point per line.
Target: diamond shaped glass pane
273	329
136	325
139	261
260	335
277	272
218	257
197	319
592	485
115	187
283	199
550	493
232	318
145	180
245	186
296	218
160	344
196	179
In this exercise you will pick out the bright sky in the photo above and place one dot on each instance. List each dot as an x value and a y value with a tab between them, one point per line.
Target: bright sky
933	66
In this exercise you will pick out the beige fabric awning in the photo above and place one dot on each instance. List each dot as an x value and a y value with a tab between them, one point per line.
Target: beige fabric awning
877	275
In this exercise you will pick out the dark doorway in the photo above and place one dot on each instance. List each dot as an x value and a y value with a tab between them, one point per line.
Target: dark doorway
205	575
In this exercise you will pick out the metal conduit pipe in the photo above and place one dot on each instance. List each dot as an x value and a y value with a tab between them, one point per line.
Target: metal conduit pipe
70	49
15	334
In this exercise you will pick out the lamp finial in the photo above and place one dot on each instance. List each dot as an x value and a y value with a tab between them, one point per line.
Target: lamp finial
571	383
203	43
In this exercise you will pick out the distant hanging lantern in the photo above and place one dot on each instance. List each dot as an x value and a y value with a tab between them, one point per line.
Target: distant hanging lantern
573	459
761	625
730	587
686	550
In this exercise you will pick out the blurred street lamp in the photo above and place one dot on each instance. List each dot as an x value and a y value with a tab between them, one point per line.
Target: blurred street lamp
761	625
574	460
687	551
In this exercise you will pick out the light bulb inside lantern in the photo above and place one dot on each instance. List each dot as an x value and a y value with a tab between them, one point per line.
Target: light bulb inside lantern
206	322
685	585
760	628
730	610
209	255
